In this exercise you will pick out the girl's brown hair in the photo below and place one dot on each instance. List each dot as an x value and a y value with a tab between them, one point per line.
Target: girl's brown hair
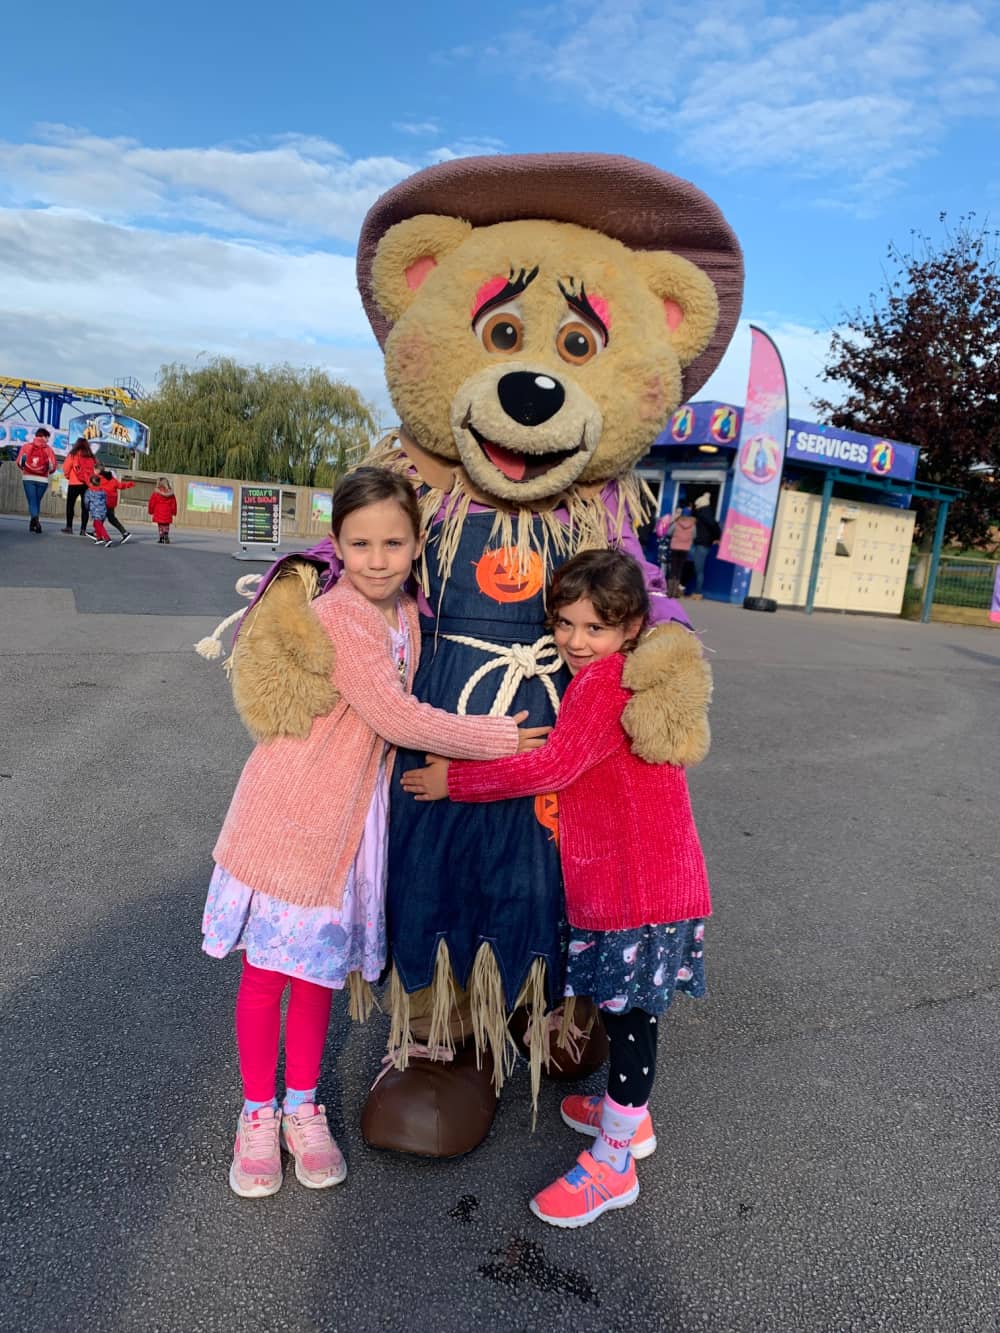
611	580
368	486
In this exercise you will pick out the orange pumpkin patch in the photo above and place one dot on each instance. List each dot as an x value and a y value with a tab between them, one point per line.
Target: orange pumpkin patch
500	577
547	813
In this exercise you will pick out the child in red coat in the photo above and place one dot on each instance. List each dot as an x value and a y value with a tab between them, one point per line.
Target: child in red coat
163	508
634	875
112	488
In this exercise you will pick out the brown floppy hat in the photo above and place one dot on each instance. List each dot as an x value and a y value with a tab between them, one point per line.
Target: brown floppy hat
645	208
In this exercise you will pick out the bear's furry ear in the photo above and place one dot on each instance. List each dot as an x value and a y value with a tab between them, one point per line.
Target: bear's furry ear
407	253
690	304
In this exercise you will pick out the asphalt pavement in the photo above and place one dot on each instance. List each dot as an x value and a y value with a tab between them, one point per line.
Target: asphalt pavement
827	1118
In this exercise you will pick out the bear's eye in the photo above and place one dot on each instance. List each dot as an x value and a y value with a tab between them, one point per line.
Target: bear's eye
577	342
501	332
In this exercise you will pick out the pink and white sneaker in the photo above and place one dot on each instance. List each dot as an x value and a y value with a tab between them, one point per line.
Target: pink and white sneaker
584	1115
256	1168
319	1163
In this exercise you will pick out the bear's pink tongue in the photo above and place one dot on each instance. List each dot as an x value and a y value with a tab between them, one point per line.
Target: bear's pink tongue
512	465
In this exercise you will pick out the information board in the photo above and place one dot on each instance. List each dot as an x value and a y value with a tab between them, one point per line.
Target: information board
260	515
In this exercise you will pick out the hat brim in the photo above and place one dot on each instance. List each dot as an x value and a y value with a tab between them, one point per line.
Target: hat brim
638	204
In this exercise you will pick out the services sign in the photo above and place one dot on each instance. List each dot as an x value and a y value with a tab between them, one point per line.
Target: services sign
809	442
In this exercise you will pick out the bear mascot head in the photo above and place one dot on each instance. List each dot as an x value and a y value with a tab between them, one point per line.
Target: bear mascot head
541	318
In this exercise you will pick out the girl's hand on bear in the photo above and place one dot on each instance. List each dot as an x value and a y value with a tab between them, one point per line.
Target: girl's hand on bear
529	738
430	783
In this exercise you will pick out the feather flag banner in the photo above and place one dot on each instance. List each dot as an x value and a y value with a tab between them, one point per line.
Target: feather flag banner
746	533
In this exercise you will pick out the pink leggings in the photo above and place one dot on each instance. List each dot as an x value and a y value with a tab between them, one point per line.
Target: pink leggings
258	1027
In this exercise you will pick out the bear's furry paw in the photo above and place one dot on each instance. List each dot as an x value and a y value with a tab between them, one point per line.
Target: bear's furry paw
667	717
283	660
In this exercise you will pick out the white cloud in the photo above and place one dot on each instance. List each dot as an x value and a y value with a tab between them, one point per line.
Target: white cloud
86	301
294	188
841	94
116	258
418	128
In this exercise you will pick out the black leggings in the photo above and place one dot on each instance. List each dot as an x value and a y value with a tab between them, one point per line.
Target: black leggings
113	520
72	492
632	1038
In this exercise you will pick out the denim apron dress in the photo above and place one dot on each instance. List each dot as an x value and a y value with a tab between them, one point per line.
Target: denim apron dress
475	873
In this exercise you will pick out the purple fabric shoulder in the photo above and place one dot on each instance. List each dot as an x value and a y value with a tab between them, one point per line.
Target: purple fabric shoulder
324	560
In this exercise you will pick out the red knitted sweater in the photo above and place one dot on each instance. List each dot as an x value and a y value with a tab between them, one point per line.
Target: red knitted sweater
627	838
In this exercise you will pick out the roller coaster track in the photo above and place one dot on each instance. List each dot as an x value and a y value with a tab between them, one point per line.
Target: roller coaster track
124	394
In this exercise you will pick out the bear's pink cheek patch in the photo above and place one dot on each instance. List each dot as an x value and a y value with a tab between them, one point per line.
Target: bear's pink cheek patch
486	293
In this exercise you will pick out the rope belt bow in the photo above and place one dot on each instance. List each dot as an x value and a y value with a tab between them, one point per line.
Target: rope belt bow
518	661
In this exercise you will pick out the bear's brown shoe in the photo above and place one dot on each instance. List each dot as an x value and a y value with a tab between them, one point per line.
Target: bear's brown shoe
583	1054
433	1108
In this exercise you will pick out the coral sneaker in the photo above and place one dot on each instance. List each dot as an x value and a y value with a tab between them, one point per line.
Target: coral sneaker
584	1115
319	1163
256	1168
583	1194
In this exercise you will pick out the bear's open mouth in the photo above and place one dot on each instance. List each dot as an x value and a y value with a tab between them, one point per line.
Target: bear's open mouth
518	466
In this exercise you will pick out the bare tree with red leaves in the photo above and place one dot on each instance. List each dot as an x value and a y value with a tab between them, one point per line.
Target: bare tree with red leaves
923	366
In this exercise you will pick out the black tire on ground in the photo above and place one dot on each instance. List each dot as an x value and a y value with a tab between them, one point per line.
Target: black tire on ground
759	604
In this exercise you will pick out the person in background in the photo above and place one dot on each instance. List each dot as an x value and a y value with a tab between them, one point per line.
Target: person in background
163	508
111	487
680	530
97	503
37	462
706	535
78	468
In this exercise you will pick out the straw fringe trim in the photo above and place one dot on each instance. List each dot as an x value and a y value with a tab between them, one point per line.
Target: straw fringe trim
488	1014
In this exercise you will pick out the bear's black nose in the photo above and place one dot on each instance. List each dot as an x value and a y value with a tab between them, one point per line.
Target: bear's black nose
530	399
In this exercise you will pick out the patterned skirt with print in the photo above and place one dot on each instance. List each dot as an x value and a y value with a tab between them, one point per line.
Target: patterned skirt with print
637	969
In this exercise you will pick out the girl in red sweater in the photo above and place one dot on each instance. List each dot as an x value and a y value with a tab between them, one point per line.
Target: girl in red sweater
635	881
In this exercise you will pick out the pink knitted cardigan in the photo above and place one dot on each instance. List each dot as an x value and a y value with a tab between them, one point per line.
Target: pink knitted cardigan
298	812
627	838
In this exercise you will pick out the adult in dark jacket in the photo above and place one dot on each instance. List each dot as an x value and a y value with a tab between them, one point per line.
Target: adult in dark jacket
706	535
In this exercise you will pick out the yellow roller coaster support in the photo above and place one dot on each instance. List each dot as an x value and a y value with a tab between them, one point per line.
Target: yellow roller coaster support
106	395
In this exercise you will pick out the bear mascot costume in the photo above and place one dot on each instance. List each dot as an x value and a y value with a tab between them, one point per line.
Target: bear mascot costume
541	317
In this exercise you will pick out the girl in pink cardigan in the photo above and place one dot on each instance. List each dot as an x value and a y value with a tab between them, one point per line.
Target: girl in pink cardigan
299	883
633	871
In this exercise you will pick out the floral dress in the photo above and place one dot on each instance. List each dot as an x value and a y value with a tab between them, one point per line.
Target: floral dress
637	969
318	944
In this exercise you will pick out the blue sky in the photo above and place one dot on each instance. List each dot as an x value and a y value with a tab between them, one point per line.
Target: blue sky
190	179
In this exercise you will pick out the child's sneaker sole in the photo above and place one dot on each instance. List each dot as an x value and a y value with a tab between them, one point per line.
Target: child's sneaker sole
320	1177
252	1191
620	1201
337	1178
645	1148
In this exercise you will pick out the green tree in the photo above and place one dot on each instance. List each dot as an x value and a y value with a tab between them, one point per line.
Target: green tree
256	423
923	365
